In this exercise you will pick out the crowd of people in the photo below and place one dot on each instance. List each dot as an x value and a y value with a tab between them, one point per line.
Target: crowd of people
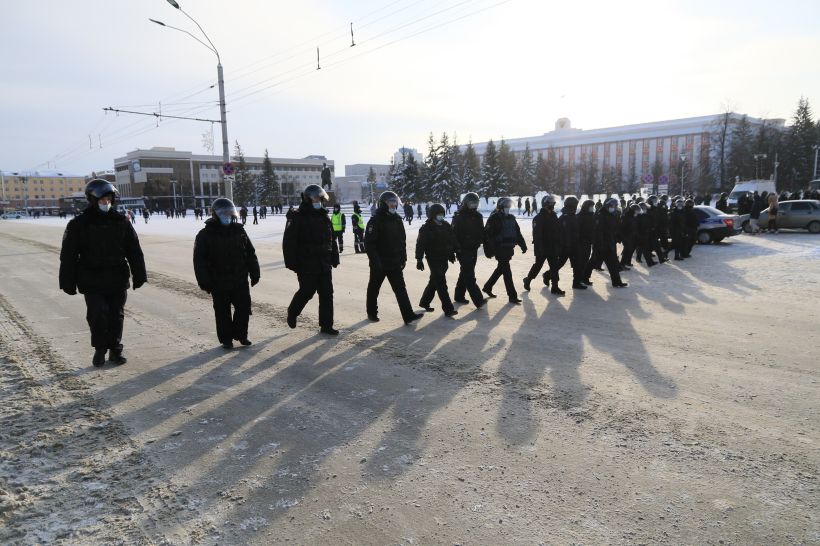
101	252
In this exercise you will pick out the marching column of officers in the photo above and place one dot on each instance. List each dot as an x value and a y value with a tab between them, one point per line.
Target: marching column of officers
101	251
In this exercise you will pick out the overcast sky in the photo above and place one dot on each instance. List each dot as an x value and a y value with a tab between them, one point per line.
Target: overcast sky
510	70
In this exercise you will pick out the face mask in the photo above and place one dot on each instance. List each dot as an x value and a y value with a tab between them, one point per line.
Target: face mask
224	220
472	206
507	210
104	208
439	218
679	206
317	206
393	210
611	209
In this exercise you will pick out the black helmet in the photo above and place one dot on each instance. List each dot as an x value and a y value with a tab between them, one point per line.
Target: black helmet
587	204
652	199
503	203
312	191
689	203
723	195
611	202
549	198
634	208
99	188
434	210
470	198
388	197
223	208
571	203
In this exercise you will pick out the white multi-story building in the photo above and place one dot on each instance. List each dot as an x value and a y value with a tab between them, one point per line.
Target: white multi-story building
201	175
639	152
382	172
404	152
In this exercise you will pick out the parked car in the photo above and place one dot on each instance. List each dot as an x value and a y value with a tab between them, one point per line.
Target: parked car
802	214
715	225
12	214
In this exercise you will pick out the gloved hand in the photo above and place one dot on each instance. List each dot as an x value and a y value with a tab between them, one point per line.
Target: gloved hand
70	291
138	284
419	265
452	258
524	249
255	281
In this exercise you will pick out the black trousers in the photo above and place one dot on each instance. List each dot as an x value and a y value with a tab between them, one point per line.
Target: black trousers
584	250
574	259
437	285
679	244
338	239
466	279
502	269
689	243
227	327
643	251
105	314
609	256
310	284
396	279
358	240
628	251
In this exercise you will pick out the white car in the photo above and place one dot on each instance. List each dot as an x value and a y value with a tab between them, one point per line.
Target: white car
12	214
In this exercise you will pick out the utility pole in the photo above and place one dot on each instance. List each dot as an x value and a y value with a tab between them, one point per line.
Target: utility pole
682	172
758	157
816	149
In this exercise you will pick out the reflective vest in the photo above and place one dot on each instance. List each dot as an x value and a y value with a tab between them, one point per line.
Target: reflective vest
338	221
358	220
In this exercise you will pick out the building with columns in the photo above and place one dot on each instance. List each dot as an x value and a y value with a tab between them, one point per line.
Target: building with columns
652	154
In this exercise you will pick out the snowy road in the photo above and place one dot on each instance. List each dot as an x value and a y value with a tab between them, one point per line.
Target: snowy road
683	409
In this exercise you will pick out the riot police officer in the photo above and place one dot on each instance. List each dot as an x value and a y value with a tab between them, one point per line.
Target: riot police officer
502	236
571	242
546	243
224	259
100	251
586	225
692	223
386	246
677	227
436	242
468	227
311	253
605	240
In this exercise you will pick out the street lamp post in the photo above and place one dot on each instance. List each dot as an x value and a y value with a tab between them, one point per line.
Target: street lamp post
816	149
221	82
682	172
758	157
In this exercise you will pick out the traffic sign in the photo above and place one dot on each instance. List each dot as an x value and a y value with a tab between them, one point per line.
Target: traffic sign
227	168
648	178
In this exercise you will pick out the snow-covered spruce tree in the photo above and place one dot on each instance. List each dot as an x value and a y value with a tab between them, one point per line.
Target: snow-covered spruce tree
490	173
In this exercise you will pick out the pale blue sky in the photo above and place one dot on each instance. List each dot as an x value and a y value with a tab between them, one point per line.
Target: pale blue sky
508	71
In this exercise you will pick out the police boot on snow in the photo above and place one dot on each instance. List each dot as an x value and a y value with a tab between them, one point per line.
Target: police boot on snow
310	252
437	242
468	228
386	247
502	236
224	259
100	252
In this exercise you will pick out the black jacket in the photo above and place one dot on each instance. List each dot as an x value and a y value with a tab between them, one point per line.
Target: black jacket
605	232
644	228
546	233
586	226
661	218
224	257
99	254
385	241
468	227
503	234
629	227
570	234
437	241
677	223
722	205
692	221
308	241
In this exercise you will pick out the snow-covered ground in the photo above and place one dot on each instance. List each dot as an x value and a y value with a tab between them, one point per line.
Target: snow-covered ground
682	409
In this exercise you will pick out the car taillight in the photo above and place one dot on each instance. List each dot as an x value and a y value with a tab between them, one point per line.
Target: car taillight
730	222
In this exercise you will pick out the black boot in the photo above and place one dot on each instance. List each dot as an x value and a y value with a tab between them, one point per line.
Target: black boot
527	284
488	292
557	291
115	356
99	358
